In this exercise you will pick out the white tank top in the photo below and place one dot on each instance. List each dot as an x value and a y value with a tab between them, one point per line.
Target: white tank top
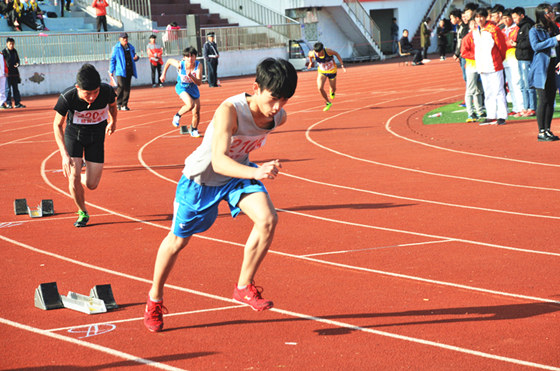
249	137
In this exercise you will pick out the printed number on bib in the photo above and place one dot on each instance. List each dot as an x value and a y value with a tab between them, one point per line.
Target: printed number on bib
242	145
90	117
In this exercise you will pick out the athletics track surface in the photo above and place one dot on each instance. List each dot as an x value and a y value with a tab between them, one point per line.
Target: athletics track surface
399	245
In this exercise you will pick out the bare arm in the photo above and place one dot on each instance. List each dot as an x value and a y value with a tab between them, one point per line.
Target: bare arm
112	126
170	62
332	52
225	124
311	57
58	124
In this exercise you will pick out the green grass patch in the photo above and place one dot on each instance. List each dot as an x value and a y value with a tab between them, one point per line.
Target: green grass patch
453	113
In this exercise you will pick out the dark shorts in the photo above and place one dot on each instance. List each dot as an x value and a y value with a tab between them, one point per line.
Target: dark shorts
86	141
330	76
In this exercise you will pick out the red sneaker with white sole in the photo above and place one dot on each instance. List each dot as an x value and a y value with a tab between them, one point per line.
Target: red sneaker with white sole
251	295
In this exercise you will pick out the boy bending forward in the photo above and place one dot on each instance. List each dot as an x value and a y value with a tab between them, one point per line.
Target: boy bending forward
219	169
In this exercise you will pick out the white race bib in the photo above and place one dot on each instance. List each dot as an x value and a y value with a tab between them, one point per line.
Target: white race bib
90	117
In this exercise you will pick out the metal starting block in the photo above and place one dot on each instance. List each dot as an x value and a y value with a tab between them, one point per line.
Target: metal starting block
100	300
44	209
47	297
105	293
84	304
184	129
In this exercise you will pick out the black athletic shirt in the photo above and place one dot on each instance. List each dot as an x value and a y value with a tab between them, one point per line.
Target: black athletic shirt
79	112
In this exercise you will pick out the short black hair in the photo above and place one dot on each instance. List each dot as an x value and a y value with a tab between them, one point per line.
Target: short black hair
456	13
189	50
471	6
10	40
481	11
277	76
88	78
519	10
318	47
498	8
507	12
153	37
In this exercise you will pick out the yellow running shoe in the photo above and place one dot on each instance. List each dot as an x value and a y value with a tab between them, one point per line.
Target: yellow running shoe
327	107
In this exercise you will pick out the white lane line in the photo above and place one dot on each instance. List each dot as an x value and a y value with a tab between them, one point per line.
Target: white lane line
388	128
142	318
295	314
374	248
85	344
424	200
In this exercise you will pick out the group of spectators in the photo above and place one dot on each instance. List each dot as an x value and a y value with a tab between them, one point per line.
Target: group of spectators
23	12
503	50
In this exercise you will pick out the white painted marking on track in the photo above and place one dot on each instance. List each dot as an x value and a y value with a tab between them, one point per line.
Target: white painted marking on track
85	344
374	248
208	310
286	312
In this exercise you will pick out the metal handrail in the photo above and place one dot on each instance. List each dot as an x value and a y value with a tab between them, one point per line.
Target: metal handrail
92	46
365	20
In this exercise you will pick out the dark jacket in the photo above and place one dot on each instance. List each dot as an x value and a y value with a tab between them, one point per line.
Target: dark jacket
523	50
12	59
462	31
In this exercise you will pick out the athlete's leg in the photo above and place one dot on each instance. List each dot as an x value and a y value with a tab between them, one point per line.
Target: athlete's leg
196	113
332	85
258	207
188	103
320	83
75	183
92	176
166	257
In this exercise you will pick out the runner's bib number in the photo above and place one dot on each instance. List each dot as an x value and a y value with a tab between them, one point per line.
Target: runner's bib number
327	66
90	117
242	145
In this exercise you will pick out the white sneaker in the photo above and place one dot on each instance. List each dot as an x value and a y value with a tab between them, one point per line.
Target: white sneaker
176	119
194	133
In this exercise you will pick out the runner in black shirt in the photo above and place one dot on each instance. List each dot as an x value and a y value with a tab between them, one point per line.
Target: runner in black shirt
91	112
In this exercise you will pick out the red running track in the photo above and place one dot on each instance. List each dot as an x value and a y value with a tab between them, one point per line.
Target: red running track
399	246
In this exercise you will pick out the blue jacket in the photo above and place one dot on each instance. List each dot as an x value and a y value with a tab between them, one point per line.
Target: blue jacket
118	62
542	44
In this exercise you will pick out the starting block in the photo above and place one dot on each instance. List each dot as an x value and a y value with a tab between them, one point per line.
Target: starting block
184	129
100	300
44	209
47	297
105	293
84	304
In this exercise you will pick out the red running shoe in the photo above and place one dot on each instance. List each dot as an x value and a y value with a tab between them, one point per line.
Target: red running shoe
252	295
153	316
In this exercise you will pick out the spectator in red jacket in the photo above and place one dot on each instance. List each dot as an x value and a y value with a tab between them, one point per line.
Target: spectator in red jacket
155	54
489	54
101	13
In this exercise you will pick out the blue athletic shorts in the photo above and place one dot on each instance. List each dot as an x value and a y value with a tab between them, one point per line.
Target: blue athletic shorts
196	206
191	90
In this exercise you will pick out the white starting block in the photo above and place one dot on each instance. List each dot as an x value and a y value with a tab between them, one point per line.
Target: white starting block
45	208
84	304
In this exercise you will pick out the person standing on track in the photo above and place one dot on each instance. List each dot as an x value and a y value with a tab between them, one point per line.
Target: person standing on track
86	108
220	169
189	78
123	65
326	69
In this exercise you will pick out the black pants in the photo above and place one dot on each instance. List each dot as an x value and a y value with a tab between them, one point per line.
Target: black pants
212	73
123	90
546	97
101	21
12	85
155	69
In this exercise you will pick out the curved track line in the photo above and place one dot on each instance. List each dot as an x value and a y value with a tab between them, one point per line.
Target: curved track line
423	200
285	312
388	128
100	348
310	129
